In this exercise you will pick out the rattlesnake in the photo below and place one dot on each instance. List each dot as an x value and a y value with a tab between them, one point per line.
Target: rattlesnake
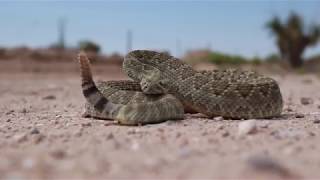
163	86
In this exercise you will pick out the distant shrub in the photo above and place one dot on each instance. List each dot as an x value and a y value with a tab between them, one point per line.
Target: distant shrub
89	46
256	61
272	58
220	58
2	52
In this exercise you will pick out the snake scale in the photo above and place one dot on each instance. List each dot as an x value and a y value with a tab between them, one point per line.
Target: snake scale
163	87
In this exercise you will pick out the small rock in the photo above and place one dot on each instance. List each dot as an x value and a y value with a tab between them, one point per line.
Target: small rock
225	134
35	131
299	115
247	127
161	130
268	165
10	112
319	106
24	110
292	150
8	120
288	109
265	125
20	138
133	131
58	154
78	132
219	118
49	97
288	133
28	163
178	134
135	146
220	127
110	136
58	116
204	133
317	121
311	134
306	101
185	152
38	138
109	123
307	81
86	124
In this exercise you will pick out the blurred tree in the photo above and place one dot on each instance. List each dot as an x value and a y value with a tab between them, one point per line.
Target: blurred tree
293	37
89	47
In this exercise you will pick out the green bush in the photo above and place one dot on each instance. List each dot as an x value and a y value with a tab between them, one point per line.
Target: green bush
272	58
256	61
220	58
89	46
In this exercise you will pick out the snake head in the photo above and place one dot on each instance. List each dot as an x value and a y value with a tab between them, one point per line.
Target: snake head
153	83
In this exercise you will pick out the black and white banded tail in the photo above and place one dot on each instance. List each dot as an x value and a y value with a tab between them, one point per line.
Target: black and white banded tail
92	93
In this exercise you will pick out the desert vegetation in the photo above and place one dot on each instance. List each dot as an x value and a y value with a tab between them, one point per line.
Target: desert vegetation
293	37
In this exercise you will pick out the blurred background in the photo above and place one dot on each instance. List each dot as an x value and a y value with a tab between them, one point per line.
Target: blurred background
261	35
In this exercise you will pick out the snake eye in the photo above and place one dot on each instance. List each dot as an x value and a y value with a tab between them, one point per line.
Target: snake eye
161	83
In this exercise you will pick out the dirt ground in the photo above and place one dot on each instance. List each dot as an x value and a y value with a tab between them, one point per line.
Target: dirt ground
43	136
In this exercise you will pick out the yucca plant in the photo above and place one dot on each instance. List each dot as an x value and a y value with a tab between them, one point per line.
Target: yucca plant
293	37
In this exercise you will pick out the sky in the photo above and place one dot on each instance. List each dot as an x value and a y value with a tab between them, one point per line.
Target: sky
235	27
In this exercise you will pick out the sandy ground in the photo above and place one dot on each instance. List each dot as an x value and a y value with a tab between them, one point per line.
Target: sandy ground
43	136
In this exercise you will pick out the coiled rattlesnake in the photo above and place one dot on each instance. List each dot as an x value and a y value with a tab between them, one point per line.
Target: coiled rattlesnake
164	86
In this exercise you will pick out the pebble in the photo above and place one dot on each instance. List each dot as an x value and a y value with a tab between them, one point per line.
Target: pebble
35	131
306	101
58	154
247	127
317	121
20	138
292	150
88	124
267	164
49	97
78	132
220	127
178	134
135	146
160	130
24	110
299	115
9	112
265	125
225	134
28	163
133	131
288	109
219	118
110	136
307	81
58	116
38	138
289	133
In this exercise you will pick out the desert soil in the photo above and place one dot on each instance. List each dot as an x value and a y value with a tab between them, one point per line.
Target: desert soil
43	136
